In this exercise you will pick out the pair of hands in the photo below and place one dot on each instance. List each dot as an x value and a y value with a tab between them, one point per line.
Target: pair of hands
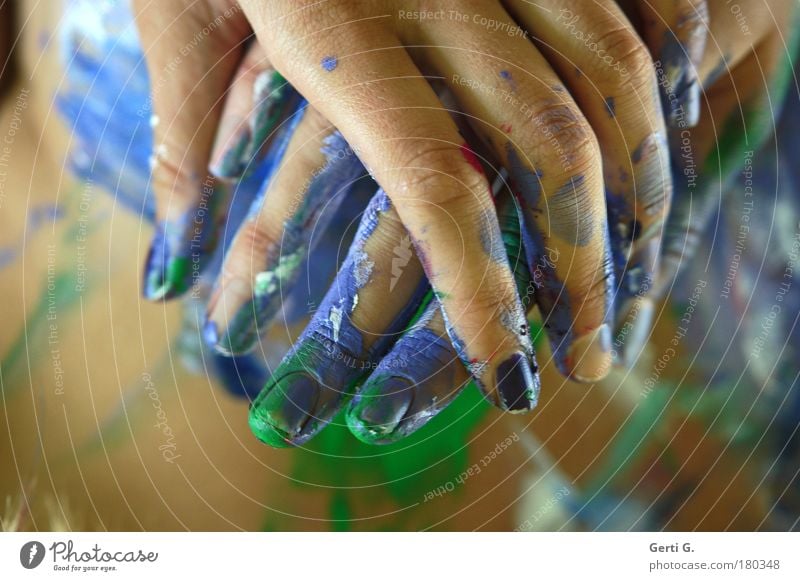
564	96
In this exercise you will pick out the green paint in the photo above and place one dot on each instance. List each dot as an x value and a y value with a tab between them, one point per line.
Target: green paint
273	104
400	473
177	274
269	282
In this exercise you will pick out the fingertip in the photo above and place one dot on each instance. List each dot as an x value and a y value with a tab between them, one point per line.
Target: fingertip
165	276
376	414
518	384
632	331
589	357
281	414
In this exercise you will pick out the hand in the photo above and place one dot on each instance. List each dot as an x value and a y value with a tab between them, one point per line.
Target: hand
418	377
546	139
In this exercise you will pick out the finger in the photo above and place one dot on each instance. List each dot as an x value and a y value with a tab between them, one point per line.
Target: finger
635	319
188	82
554	162
258	100
317	171
735	33
368	87
615	86
421	374
364	310
676	32
748	103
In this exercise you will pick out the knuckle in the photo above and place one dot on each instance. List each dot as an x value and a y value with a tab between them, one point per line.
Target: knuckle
437	175
253	243
564	137
629	51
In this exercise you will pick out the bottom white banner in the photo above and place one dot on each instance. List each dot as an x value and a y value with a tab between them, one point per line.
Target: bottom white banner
401	556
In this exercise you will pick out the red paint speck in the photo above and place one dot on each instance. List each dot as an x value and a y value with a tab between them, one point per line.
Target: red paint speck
506	127
471	158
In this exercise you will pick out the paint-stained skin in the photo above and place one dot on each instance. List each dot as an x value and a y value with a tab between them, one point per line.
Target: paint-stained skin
635	217
471	158
329	63
417	379
551	295
680	94
611	107
651	161
422	374
181	249
325	192
273	100
491	240
508	78
527	182
571	213
319	373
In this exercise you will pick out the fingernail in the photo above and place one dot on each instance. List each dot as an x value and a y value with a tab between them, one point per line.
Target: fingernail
680	91
633	331
589	356
279	414
517	384
374	417
165	276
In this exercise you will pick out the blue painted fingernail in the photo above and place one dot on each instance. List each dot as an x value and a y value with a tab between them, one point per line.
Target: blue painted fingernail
376	414
517	384
210	333
166	275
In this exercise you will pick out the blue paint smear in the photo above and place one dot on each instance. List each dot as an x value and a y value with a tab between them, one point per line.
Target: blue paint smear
329	63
